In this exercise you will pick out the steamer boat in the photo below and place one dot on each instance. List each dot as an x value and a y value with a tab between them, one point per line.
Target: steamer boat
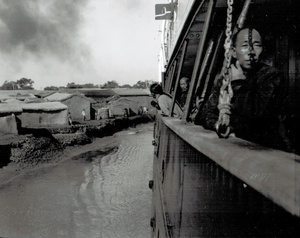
205	186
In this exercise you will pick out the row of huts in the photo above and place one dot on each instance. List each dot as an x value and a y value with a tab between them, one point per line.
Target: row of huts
37	108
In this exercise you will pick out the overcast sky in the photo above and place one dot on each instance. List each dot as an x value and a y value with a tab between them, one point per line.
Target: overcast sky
55	42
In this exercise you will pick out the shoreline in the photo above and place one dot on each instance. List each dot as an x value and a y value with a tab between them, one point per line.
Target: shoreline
103	145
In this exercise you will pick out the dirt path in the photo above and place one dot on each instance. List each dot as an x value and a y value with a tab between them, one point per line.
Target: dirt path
99	145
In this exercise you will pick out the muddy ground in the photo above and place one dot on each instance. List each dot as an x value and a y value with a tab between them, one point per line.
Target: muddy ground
41	147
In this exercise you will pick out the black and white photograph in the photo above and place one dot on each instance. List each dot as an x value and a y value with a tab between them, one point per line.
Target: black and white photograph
149	118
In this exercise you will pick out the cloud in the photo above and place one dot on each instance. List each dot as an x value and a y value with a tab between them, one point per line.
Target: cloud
38	27
56	42
132	4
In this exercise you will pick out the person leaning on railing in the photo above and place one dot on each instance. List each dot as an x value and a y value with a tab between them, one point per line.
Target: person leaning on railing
259	93
164	101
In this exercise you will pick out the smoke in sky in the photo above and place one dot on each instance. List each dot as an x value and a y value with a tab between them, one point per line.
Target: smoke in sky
40	27
56	42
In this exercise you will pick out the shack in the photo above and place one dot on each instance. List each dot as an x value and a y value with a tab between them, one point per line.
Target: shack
117	107
20	95
75	102
97	94
134	98
8	120
43	114
117	99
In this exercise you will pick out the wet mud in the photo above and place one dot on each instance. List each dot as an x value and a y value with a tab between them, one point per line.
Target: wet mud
96	190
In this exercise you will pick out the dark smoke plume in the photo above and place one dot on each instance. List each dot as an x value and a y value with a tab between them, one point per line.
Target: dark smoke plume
38	27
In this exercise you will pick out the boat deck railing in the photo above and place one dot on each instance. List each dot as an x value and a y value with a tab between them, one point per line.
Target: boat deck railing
273	173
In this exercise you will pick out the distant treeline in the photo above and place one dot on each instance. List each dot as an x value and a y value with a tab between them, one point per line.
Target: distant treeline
25	83
109	84
21	84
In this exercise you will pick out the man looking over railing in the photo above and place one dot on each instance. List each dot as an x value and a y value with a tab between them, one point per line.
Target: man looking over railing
259	93
164	101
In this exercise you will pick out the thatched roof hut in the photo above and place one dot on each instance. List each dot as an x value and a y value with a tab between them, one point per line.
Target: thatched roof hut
8	124
15	94
44	114
9	108
76	102
44	106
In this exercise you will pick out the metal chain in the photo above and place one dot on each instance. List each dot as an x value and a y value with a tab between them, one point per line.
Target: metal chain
227	44
226	92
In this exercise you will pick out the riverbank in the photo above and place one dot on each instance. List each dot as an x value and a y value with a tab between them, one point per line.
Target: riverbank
103	146
49	147
103	195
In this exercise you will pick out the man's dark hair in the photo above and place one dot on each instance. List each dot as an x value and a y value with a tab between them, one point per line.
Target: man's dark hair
156	88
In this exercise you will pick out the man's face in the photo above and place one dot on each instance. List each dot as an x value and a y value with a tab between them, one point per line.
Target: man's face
184	85
155	95
248	48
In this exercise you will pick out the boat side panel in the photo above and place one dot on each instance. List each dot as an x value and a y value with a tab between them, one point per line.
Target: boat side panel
198	198
273	173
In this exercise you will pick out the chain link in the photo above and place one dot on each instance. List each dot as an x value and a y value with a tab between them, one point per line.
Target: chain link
226	92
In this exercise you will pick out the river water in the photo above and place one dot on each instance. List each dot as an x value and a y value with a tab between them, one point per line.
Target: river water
105	197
